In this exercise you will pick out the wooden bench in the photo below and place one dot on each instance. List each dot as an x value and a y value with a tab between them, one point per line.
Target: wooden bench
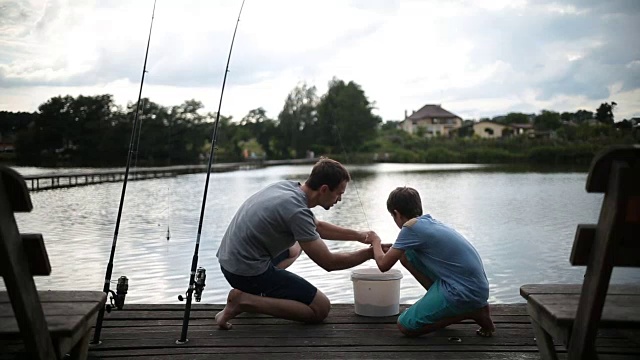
36	324
572	314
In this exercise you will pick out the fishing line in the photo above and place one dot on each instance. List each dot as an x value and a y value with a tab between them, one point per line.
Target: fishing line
170	182
344	151
122	281
135	163
198	284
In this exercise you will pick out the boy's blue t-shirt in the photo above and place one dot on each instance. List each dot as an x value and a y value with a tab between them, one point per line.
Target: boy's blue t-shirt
446	255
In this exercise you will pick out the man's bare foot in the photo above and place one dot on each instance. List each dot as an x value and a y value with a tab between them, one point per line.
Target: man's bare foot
230	311
482	317
222	325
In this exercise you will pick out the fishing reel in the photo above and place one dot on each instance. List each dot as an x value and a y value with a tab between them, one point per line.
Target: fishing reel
119	295
198	286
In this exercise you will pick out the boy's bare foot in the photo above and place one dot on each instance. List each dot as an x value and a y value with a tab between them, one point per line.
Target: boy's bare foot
230	311
484	332
482	317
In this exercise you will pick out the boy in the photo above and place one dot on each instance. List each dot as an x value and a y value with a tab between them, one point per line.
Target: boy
442	261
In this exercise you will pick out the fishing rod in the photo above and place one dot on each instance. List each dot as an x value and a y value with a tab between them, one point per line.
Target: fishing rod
197	277
123	282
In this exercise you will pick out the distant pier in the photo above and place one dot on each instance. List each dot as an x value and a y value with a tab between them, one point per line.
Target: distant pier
58	180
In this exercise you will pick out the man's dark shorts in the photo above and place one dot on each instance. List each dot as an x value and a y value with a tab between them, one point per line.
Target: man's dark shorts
274	283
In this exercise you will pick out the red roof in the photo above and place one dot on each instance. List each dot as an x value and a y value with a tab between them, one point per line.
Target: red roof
431	111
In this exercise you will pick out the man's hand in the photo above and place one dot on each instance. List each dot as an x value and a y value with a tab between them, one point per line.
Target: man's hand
367	236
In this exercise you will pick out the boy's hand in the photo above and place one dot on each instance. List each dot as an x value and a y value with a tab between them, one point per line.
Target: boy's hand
367	236
374	238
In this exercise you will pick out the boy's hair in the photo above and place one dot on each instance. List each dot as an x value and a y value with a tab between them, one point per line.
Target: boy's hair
406	201
327	172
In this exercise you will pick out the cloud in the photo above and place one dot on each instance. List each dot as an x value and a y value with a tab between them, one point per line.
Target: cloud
485	57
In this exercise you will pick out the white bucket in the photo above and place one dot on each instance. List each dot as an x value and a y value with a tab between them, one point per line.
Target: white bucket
376	293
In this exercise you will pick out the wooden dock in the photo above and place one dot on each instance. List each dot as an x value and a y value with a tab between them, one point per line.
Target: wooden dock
150	332
57	180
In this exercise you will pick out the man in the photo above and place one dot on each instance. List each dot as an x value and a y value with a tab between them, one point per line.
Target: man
268	233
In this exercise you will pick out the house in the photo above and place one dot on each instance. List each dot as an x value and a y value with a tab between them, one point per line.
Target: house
489	129
432	119
523	129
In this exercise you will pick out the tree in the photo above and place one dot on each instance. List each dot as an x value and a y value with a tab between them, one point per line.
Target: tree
345	115
11	123
53	125
227	144
262	128
624	125
390	125
547	120
296	122
516	118
604	113
582	116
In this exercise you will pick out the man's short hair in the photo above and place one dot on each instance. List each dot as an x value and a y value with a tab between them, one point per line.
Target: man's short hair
406	201
327	172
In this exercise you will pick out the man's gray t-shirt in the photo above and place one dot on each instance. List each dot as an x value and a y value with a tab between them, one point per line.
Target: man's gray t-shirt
269	222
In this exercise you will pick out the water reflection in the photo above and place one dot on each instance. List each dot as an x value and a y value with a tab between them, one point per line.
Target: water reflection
522	223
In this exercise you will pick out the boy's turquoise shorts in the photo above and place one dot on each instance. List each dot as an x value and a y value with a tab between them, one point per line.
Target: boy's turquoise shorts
432	307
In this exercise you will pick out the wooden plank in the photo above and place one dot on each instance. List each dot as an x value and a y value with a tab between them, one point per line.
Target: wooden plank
298	332
345	355
62	318
339	309
36	254
368	355
207	326
346	329
65	309
600	169
469	351
81	348
625	252
57	325
619	310
548	323
168	316
614	289
544	341
297	353
75	341
633	210
62	296
16	196
305	351
123	322
395	338
388	338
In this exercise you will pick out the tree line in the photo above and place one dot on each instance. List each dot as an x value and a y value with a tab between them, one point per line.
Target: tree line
94	131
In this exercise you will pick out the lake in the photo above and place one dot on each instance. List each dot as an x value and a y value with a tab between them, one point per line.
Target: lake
521	222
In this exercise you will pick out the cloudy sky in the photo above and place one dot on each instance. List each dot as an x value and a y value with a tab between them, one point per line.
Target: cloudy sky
476	58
